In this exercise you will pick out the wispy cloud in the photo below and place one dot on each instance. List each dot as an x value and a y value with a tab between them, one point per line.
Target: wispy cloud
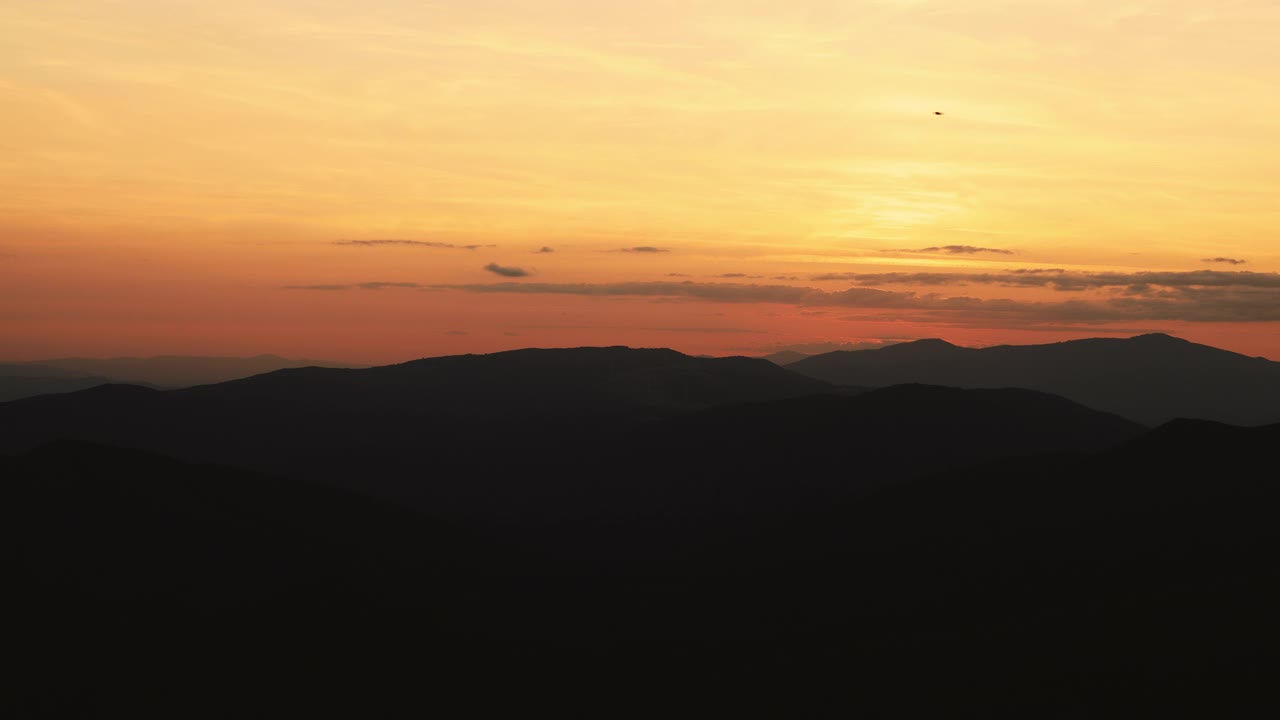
544	250
506	271
1225	261
956	250
1193	296
644	249
410	243
381	285
717	292
1065	280
1176	297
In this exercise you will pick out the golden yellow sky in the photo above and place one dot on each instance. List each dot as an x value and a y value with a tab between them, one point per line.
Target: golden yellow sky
223	178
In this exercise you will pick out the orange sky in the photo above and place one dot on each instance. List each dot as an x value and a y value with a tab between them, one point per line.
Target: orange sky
223	178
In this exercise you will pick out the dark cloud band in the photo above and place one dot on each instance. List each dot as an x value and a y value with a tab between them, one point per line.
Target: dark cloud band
506	271
1199	296
957	250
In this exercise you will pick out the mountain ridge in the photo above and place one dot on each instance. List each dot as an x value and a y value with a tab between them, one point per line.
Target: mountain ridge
1148	378
611	430
24	379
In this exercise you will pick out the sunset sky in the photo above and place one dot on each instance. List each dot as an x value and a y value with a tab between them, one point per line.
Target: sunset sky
392	179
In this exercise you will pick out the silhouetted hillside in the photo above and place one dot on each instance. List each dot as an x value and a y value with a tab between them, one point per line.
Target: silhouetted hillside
102	521
1047	586
529	383
138	582
1150	378
829	447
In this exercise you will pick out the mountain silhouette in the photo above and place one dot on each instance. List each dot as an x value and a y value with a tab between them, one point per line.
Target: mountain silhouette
832	447
531	382
394	426
785	357
1149	378
19	380
540	434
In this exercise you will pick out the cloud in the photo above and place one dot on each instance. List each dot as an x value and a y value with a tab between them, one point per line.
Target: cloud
1225	261
1067	281
504	271
1201	296
679	275
957	250
715	292
545	249
644	249
412	243
1134	297
457	333
381	285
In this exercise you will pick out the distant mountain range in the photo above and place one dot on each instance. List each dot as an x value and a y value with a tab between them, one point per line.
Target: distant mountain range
465	431
412	431
1149	378
24	379
19	380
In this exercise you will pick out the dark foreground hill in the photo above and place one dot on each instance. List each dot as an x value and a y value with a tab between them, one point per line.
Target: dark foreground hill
1150	378
139	584
830	447
1138	581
